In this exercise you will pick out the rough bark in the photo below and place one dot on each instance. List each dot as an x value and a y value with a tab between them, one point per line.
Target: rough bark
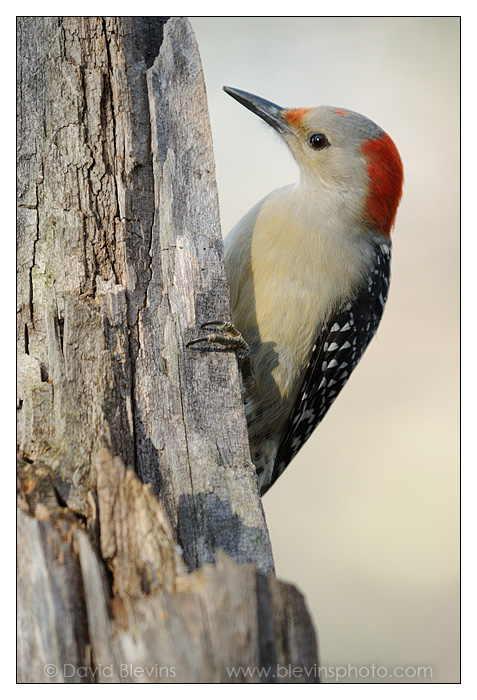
119	261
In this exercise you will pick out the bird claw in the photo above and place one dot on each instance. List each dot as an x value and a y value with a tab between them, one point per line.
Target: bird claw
231	337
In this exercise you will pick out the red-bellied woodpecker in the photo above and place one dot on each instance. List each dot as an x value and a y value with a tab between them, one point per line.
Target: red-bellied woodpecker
309	270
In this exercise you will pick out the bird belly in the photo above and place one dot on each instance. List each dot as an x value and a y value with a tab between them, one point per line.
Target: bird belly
286	276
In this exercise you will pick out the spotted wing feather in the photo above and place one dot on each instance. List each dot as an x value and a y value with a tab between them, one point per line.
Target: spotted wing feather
338	349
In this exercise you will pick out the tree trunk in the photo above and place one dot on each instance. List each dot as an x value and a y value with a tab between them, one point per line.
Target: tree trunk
119	261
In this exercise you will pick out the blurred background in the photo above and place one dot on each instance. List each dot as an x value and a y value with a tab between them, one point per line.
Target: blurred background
365	521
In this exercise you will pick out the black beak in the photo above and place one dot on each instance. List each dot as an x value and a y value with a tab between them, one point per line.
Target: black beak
271	113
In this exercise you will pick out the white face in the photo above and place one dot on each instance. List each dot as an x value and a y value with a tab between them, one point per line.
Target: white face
326	143
347	163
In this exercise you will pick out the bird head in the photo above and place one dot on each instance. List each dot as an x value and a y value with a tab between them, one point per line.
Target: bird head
341	152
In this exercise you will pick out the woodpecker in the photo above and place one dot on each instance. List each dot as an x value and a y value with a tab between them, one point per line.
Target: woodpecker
309	271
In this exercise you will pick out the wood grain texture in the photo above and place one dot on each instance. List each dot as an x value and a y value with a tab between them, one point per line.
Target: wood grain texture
194	444
144	618
142	541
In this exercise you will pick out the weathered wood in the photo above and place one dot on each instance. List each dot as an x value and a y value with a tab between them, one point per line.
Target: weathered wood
119	261
223	623
203	425
52	627
85	212
136	537
241	627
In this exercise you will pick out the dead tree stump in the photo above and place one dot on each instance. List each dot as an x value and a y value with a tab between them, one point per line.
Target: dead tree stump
143	552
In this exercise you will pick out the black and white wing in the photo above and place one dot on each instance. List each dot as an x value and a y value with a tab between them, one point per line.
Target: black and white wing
338	349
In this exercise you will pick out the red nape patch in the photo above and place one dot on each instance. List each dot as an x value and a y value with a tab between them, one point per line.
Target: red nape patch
340	111
293	116
385	172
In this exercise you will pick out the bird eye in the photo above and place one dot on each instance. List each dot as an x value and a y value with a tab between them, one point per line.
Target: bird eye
318	141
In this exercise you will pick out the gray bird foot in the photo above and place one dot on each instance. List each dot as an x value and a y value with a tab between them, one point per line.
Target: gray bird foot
227	335
231	337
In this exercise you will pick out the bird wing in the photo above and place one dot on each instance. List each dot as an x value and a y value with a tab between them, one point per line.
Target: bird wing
338	349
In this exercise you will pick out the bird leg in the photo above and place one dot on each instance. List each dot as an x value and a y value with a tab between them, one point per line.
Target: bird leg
230	337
